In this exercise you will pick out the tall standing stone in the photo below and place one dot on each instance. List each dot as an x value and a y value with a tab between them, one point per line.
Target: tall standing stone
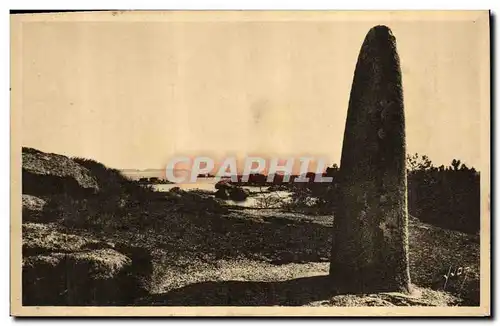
370	245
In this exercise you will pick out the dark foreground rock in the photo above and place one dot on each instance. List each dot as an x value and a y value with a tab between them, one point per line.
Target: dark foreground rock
68	269
40	239
222	194
47	174
238	194
226	190
33	208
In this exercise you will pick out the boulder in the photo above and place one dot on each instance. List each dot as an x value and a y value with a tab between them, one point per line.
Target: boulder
33	208
91	277
40	239
227	190
47	174
68	269
222	194
224	184
238	194
175	192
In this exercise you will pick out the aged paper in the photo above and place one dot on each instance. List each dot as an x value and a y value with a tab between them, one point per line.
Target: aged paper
132	134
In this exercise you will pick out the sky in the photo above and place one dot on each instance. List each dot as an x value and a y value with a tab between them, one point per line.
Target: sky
134	94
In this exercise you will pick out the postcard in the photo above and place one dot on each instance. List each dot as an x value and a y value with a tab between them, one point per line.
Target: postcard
250	163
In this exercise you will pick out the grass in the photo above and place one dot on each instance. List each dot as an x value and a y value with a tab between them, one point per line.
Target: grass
254	247
203	253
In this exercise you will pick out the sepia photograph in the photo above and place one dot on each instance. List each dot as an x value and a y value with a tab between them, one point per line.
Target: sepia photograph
250	163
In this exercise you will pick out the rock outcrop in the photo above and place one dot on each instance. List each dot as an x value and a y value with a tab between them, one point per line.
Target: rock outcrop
33	208
226	190
67	269
48	174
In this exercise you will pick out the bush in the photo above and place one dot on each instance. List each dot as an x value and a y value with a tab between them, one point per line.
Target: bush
97	212
112	181
448	197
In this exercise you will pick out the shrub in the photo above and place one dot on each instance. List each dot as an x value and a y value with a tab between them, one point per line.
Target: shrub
448	197
112	181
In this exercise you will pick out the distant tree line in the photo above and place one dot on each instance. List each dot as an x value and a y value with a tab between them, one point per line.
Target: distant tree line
259	179
445	196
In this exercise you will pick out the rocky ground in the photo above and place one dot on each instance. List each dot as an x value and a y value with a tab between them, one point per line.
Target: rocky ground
117	243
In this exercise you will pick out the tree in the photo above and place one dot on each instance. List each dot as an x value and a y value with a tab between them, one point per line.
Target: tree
417	163
455	164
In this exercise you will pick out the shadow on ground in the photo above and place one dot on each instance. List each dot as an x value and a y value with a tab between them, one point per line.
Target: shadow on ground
272	237
305	291
296	292
276	239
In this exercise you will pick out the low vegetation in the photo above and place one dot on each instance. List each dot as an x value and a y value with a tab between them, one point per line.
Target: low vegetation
123	243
